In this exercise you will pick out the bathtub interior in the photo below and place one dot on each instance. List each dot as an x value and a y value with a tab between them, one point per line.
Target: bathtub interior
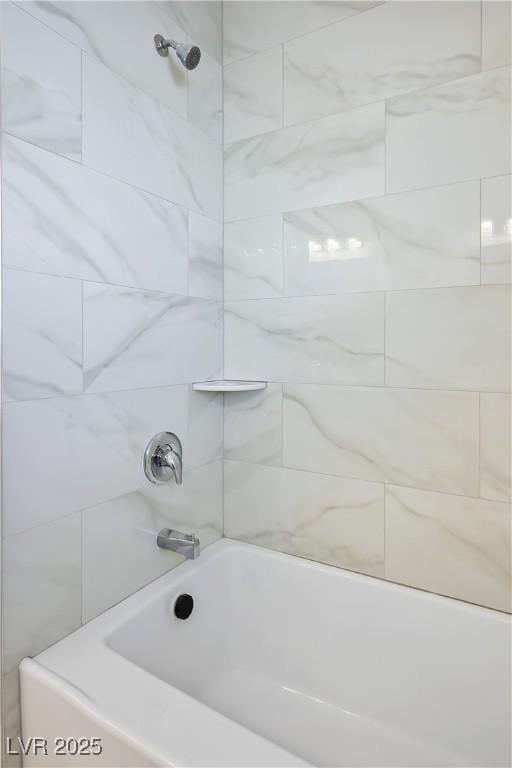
336	668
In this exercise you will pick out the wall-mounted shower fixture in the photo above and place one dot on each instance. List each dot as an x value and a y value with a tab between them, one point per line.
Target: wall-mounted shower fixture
189	55
163	459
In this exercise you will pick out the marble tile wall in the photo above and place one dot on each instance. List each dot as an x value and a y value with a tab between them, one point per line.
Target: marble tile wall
112	304
367	277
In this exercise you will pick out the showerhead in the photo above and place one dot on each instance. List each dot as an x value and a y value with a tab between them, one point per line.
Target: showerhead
189	55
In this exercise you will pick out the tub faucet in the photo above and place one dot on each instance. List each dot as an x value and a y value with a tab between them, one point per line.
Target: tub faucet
186	544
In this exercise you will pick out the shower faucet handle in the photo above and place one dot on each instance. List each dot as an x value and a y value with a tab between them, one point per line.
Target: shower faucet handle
163	459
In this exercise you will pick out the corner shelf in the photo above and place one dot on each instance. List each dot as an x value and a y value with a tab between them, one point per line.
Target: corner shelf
232	385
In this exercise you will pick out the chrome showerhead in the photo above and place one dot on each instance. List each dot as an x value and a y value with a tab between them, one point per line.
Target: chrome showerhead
189	55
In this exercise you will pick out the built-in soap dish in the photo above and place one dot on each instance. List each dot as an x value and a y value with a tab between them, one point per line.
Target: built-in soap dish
226	385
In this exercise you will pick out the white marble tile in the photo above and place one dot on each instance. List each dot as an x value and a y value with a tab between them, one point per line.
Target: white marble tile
419	438
41	588
496	230
201	20
138	338
451	338
418	239
253	95
407	46
496	39
253	258
253	425
119	536
205	97
255	26
450	132
120	35
40	89
327	161
315	339
64	219
451	545
334	521
132	137
205	427
89	449
42	336
205	257
495	448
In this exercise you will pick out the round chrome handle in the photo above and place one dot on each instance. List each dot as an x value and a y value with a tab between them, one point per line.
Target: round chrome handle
163	458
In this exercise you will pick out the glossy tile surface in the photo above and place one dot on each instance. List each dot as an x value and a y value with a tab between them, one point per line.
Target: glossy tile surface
313	339
495	446
124	333
424	130
497	229
467	538
120	535
205	428
132	137
411	240
64	219
42	601
253	425
415	438
42	336
340	522
330	160
410	46
253	258
253	95
40	91
453	338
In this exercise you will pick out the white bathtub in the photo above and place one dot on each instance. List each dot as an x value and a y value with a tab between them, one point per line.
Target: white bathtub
283	662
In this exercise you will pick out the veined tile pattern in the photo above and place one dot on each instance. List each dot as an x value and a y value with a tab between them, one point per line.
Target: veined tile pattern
253	258
415	438
40	91
315	339
330	160
450	338
495	441
132	137
205	263
253	425
340	522
124	333
412	240
255	26
313	214
42	342
497	230
117	217
74	439
424	130
64	219
120	534
468	540
118	37
424	43
253	95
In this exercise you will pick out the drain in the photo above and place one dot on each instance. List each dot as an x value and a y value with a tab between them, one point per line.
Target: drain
183	606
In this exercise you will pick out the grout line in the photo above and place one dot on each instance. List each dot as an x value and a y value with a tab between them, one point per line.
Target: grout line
353	107
116	179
